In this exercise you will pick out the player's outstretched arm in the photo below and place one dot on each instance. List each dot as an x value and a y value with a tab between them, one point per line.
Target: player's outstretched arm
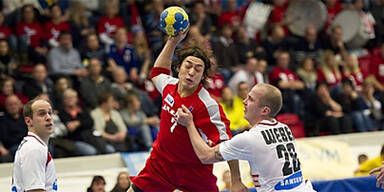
164	60
380	176
206	154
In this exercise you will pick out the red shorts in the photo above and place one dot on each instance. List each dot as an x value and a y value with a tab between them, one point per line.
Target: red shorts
159	175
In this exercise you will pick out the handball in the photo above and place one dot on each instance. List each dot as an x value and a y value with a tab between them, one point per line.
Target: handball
174	20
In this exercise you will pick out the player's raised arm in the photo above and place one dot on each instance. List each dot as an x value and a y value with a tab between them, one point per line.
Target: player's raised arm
164	60
205	153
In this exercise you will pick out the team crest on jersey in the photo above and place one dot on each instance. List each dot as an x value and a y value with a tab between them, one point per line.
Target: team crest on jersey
169	99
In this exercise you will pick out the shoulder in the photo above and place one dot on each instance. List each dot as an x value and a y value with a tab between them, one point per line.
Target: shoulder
206	99
32	147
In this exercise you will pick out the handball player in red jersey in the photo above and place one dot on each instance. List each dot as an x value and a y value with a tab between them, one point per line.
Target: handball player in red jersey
172	163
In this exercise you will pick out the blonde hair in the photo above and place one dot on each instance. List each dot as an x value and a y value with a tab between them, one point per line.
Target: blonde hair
327	70
355	68
271	98
75	15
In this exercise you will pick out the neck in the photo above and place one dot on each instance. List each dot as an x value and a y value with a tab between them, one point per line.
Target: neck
257	121
44	138
95	77
185	92
15	116
120	45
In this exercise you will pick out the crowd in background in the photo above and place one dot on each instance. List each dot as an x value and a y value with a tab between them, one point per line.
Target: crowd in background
91	59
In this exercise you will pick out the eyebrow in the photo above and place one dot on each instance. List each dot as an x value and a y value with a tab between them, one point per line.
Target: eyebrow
196	63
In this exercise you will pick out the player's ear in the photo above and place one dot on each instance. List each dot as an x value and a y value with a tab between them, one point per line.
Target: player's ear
28	121
266	110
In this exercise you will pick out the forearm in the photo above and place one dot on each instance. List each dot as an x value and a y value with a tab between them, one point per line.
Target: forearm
164	60
205	153
235	170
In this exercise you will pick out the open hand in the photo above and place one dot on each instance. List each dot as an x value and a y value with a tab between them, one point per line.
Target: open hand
380	176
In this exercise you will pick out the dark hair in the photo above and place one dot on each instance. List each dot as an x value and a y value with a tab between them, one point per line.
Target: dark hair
103	97
95	179
347	81
320	84
382	151
196	51
129	97
63	33
25	7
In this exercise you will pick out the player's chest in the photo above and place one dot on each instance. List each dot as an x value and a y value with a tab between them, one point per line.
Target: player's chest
172	102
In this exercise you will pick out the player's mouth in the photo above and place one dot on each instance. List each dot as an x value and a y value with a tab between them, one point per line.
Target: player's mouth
49	125
189	80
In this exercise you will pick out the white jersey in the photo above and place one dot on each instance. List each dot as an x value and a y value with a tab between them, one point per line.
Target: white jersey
270	149
33	167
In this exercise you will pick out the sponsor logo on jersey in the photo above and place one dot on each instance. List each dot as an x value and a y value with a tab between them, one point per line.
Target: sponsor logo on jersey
290	182
169	99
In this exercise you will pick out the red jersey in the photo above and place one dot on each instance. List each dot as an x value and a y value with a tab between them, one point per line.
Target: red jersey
331	79
278	14
332	12
172	143
377	67
5	31
216	85
356	78
33	31
280	74
53	30
109	25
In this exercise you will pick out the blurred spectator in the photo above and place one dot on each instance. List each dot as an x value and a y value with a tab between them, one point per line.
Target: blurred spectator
5	156
39	83
352	105
77	121
8	89
61	84
12	126
289	84
55	26
120	88
64	59
233	108
63	4
352	71
329	73
327	114
93	50
200	19
371	105
377	69
137	122
97	184
377	13
123	183
276	40
215	81
367	21
362	158
8	63
226	178
307	73
143	54
30	35
81	23
278	17
231	16
6	32
130	12
245	46
14	5
308	46
94	85
252	73
109	22
333	8
151	22
370	164
224	52
110	124
334	41
123	54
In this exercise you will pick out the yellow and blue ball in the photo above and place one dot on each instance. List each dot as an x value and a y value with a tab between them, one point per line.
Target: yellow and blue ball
174	20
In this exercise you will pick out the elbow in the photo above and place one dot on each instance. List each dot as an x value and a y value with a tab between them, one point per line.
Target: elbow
205	160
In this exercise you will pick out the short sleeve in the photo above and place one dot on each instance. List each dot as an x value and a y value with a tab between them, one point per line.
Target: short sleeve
163	80
33	169
239	147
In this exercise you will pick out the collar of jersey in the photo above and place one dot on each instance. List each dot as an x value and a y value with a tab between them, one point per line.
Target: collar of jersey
31	134
268	123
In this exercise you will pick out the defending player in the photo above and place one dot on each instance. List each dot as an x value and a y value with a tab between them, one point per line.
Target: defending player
172	163
269	146
33	169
